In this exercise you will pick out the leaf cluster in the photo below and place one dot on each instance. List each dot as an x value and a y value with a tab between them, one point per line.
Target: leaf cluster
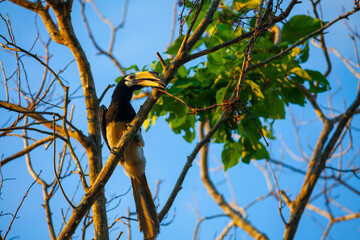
212	79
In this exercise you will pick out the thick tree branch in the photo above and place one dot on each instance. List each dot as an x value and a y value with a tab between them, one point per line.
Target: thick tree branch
43	12
218	198
112	161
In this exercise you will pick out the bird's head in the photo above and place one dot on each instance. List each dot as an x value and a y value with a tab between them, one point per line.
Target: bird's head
139	80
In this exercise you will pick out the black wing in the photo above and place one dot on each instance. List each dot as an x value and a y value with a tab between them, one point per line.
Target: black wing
102	112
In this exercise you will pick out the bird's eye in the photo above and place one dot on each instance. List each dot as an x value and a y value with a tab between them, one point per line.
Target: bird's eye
131	77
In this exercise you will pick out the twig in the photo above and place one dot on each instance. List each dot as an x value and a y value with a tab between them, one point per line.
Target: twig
196	15
173	25
5	81
226	105
105	91
86	224
187	166
249	47
304	39
19	49
254	121
78	135
26	150
18	208
278	191
344	170
226	230
109	52
163	64
322	41
199	221
128	224
68	142
55	172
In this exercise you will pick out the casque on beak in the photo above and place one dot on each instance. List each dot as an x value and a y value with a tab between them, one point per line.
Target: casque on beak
148	79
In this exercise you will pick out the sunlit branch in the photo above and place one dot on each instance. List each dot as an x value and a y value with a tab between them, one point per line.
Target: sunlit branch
226	230
218	198
200	220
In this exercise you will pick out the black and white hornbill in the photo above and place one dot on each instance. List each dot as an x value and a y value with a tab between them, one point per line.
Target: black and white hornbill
113	122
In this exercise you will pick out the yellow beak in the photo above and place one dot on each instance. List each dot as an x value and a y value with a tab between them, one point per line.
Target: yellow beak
149	79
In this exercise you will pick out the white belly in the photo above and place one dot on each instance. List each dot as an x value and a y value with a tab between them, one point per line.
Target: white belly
134	160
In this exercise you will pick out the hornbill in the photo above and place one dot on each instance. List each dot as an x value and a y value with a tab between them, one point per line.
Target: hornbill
113	122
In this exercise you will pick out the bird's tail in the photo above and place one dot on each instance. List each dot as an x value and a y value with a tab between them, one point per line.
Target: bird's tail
145	208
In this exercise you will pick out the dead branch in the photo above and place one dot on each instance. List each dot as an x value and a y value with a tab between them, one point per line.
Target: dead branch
304	39
18	208
322	39
279	193
200	220
226	230
55	172
218	198
109	52
26	150
322	152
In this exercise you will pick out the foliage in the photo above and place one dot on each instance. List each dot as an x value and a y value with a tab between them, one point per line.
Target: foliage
265	92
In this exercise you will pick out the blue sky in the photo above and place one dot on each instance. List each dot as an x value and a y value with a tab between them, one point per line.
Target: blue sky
147	31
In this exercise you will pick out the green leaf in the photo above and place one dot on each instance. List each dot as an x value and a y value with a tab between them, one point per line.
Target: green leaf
220	95
261	152
265	42
201	14
301	73
246	4
189	135
133	67
255	89
182	72
223	31
117	80
277	108
319	83
175	46
304	55
231	154
293	95
149	121
274	106
298	27
178	122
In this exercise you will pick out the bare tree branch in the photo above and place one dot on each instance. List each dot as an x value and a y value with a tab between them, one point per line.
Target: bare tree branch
219	199
18	208
25	150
